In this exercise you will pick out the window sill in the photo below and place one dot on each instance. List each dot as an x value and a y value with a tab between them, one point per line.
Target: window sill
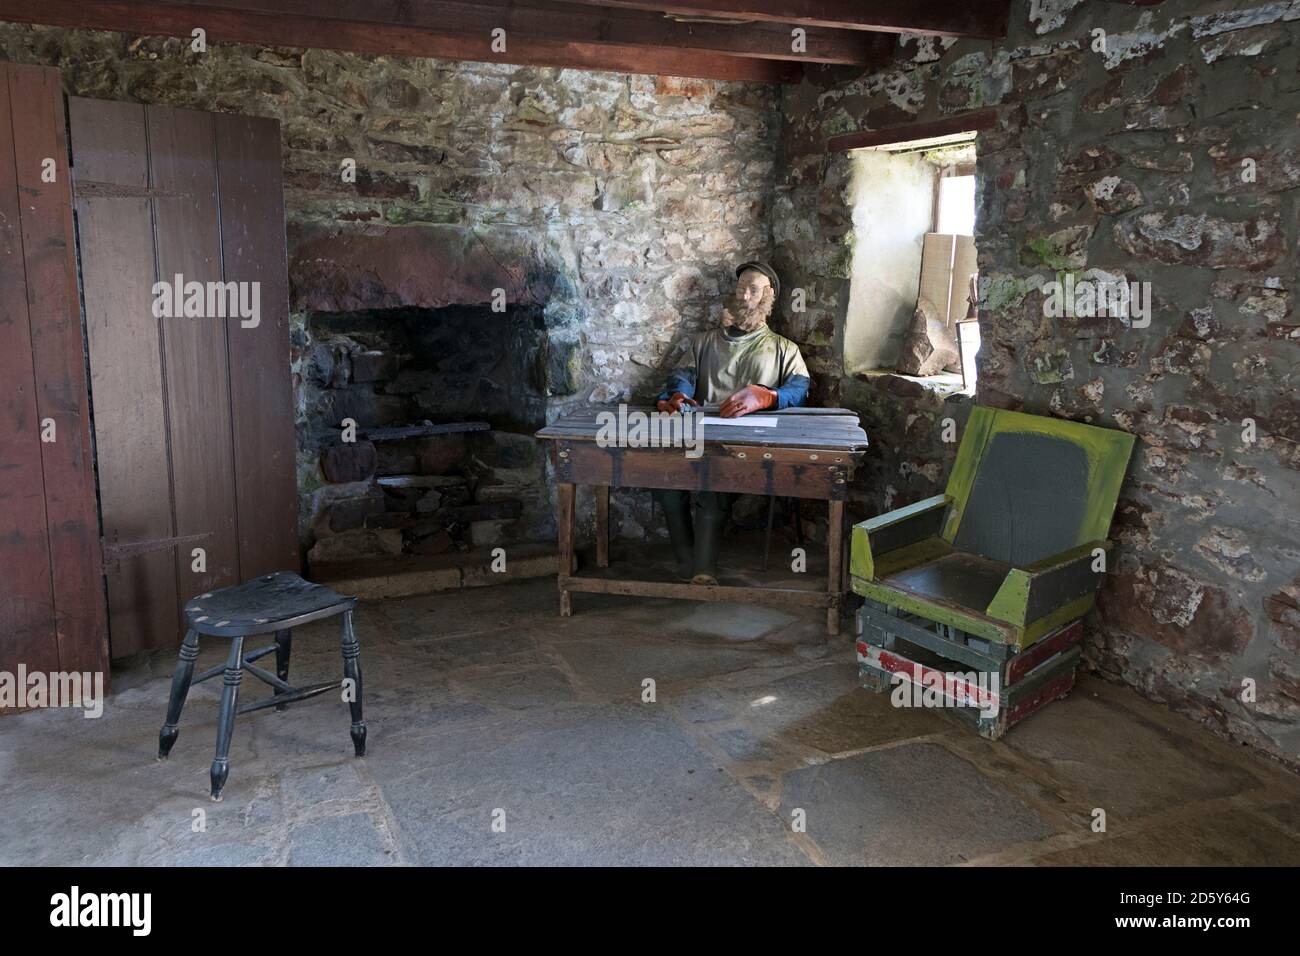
942	385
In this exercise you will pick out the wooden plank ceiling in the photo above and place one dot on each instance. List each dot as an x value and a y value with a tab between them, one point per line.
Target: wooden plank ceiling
714	39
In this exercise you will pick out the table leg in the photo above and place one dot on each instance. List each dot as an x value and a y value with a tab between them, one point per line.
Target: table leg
602	526
767	536
835	559
565	496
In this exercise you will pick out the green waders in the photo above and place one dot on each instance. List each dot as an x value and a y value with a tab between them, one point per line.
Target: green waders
695	545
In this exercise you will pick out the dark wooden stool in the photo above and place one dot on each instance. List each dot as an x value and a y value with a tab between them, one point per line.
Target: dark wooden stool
274	603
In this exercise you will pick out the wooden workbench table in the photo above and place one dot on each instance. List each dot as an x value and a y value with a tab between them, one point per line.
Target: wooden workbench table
809	453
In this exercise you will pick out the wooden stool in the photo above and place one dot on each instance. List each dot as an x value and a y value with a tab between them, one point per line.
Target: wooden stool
272	603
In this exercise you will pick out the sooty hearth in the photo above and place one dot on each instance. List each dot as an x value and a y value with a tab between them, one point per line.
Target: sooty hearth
444	402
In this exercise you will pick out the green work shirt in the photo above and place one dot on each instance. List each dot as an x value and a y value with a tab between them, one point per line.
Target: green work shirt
716	365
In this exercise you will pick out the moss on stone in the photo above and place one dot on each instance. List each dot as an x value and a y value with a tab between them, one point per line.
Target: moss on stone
1048	253
310	476
1004	291
839	264
442	213
841	122
1049	366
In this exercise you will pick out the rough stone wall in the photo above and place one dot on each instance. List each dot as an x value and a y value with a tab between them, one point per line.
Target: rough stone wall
1127	159
624	199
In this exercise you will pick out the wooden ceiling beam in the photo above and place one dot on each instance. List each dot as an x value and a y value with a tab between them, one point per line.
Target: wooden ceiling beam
972	121
574	23
159	18
970	18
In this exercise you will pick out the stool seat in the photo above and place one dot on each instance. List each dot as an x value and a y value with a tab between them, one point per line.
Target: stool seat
272	602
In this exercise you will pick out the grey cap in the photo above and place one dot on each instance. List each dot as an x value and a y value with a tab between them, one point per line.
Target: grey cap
764	268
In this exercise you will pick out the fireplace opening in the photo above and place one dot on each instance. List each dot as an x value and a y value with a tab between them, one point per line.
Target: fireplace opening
393	367
444	403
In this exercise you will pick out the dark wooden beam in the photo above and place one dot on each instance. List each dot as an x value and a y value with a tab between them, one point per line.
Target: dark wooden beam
154	17
972	18
571	23
975	120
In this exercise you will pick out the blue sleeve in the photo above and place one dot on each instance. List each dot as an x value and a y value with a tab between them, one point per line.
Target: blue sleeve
793	392
682	380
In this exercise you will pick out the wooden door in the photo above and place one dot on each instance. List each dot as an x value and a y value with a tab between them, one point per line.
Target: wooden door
51	588
193	415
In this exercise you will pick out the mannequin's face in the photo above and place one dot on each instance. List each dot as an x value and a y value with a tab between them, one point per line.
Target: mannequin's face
750	286
750	304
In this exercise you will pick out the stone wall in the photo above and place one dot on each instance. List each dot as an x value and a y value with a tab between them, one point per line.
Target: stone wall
625	198
1127	158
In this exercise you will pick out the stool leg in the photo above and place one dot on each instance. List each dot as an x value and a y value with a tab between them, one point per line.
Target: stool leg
283	646
181	678
226	718
352	672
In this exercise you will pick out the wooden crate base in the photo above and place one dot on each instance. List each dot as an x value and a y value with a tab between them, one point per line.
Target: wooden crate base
993	695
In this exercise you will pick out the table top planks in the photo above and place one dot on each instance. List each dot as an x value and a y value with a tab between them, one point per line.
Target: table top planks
832	429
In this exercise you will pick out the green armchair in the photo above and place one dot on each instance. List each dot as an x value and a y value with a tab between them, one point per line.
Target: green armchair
1012	553
1014	547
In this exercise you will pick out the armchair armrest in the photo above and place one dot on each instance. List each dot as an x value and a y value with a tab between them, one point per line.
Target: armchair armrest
878	536
1037	590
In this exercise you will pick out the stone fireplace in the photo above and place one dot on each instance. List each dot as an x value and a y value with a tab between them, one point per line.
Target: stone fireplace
388	368
446	361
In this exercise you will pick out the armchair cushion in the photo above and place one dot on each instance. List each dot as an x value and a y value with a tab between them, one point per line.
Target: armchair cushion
1027	487
991	599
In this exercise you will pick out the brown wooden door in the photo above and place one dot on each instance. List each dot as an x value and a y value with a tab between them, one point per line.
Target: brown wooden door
194	425
51	588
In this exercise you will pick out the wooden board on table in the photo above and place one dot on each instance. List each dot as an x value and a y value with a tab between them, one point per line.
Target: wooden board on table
796	428
792	410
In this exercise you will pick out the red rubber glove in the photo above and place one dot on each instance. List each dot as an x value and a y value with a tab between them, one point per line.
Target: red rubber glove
751	398
675	403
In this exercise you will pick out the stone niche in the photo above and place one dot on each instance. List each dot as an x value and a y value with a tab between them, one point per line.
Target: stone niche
447	370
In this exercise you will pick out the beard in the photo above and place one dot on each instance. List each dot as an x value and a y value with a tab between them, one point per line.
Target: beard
736	315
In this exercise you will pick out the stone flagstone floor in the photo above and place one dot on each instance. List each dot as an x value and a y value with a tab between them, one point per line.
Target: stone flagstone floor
483	704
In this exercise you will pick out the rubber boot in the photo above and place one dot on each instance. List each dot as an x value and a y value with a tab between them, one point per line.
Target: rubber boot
677	515
709	519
